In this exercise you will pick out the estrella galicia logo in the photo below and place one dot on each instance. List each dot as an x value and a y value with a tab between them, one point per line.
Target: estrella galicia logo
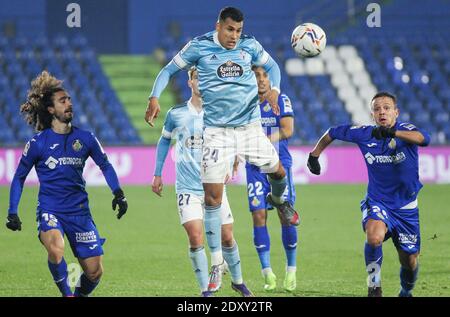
230	70
51	162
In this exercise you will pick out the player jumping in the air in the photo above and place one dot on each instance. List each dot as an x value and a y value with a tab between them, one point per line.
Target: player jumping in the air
185	124
231	113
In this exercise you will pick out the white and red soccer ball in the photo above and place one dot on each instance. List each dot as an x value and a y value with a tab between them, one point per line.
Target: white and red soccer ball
308	40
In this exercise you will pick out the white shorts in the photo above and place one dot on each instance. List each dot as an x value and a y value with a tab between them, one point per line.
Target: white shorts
222	145
192	207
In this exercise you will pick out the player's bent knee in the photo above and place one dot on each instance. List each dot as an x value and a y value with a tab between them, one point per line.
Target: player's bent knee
195	239
55	253
375	240
259	218
94	275
409	261
227	240
279	173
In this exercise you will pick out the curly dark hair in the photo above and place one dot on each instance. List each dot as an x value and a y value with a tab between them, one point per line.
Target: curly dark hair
40	96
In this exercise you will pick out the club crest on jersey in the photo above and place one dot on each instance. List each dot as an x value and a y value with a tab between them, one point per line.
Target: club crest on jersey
267	107
77	145
392	144
255	202
194	142
230	70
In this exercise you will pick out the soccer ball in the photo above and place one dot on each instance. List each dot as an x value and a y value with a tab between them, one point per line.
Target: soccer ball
308	40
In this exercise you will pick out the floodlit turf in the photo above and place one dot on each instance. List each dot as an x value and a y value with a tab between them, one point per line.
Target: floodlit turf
146	252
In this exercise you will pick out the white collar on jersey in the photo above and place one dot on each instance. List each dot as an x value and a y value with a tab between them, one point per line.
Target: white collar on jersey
216	40
193	109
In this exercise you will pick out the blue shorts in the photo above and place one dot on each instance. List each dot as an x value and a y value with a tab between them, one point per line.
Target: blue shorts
258	187
402	224
81	232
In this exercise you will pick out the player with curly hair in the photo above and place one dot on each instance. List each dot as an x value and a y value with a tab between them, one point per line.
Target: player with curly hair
59	152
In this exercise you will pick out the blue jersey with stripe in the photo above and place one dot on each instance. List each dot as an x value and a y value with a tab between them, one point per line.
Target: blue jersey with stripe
59	160
271	124
185	124
392	164
226	81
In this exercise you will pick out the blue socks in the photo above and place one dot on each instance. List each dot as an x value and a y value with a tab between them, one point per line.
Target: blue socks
200	265
278	186
407	280
289	237
374	259
261	241
59	273
213	229
231	256
86	286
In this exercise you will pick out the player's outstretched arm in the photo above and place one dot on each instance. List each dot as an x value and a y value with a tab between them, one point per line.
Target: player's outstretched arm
414	137
313	159
160	84
162	149
27	161
101	159
157	185
153	109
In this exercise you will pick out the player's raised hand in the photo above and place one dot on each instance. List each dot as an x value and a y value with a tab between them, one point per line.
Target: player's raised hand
157	185
381	132
272	99
313	164
120	200
14	223
152	111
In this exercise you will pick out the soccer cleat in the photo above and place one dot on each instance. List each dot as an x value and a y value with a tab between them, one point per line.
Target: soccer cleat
224	267
270	281
290	282
207	294
404	293
215	276
286	211
242	289
374	292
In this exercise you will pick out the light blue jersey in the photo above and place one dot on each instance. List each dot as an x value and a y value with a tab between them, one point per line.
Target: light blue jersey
185	124
227	83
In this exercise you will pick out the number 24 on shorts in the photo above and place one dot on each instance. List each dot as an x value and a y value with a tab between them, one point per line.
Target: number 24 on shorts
208	154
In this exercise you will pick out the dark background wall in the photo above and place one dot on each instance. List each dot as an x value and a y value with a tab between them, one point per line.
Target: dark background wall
136	26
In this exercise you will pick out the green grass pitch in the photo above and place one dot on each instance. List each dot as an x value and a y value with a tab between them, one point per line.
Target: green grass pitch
146	252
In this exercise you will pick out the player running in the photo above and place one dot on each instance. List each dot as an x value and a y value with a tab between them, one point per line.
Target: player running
279	128
58	153
185	124
231	113
390	208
